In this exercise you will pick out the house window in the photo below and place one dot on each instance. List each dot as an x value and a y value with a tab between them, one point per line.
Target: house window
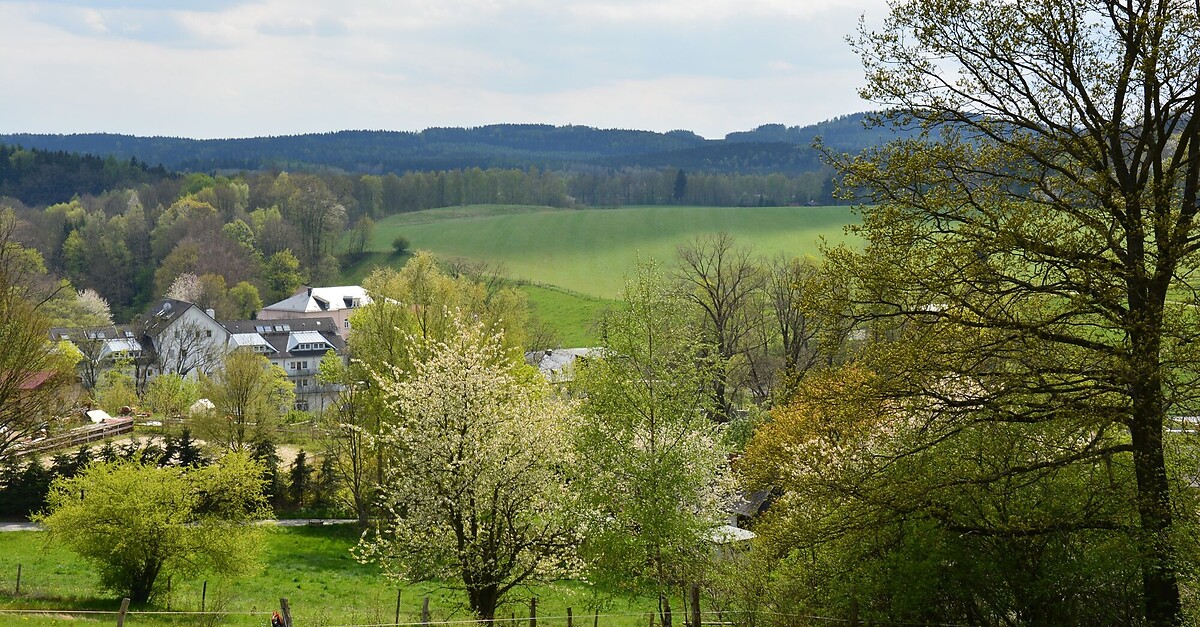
301	404
208	333
299	365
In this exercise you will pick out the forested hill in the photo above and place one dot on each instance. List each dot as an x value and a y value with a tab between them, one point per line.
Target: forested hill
767	149
39	177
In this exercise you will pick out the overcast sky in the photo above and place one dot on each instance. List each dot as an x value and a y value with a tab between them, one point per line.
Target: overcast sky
241	68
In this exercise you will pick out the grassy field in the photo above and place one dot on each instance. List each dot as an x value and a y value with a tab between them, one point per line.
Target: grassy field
310	566
572	316
589	251
572	263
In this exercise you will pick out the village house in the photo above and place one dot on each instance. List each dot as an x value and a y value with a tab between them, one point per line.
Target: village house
297	345
180	337
336	302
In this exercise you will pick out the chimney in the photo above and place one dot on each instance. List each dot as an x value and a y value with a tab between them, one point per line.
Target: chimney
212	313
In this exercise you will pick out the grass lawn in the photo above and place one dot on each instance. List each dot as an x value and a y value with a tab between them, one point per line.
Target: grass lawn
589	251
310	566
573	316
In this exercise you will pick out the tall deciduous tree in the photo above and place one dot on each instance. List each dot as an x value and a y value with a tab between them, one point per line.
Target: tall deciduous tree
650	467
478	491
1039	241
32	368
248	393
725	282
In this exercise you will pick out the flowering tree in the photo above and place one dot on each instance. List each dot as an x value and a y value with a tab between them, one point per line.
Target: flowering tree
477	491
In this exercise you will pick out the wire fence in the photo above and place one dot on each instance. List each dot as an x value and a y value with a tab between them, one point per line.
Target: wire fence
708	619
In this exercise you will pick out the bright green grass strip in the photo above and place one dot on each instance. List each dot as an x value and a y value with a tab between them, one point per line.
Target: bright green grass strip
311	566
573	316
590	251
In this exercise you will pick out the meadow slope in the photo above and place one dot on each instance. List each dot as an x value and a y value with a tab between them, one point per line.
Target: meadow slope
589	251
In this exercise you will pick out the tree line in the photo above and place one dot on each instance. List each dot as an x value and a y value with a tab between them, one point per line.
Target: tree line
769	148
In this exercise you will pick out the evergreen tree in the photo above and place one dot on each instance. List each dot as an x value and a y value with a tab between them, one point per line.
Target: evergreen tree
324	493
267	456
187	453
30	493
107	453
300	477
170	451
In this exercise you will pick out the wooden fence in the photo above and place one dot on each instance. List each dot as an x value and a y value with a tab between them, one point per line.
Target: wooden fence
77	436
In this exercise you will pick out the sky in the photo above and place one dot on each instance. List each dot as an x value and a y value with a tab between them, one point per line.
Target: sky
246	68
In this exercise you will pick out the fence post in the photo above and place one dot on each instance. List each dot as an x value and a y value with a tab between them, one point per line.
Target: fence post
121	612
203	595
695	605
286	610
398	593
533	612
596	618
18	592
425	611
570	621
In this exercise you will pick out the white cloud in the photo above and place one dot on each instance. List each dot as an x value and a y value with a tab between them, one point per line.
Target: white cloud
291	66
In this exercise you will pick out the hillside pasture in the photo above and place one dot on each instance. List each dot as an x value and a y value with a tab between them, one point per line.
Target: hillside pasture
589	251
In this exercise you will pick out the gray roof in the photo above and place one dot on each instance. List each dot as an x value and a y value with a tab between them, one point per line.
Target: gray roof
558	364
285	337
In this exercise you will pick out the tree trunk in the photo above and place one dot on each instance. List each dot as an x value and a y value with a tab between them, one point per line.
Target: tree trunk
483	601
143	585
1160	586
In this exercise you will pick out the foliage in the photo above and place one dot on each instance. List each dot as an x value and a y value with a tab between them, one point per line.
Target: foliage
863	521
299	480
650	466
23	487
37	176
477	491
186	287
32	369
116	389
400	245
364	227
266	455
83	308
170	394
355	451
282	276
137	523
246	300
249	394
1026	266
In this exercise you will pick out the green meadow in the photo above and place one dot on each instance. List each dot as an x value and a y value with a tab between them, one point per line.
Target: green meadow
572	263
310	566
